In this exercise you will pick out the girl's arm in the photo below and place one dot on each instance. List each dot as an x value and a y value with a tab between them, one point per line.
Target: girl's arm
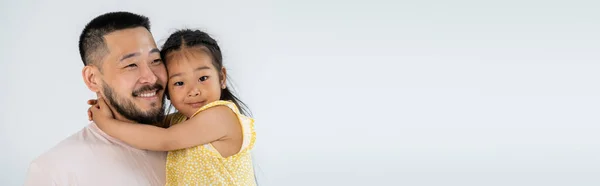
210	125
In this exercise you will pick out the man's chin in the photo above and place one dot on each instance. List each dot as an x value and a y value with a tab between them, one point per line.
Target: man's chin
152	116
150	110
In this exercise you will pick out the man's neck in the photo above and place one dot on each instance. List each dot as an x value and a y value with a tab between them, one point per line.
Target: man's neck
121	117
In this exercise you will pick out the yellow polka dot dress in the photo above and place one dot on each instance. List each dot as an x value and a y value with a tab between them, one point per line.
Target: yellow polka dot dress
203	165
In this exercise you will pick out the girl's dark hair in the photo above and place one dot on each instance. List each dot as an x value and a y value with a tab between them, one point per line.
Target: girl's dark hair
195	38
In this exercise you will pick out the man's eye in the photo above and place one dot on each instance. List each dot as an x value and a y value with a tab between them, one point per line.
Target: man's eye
179	83
203	78
157	61
131	65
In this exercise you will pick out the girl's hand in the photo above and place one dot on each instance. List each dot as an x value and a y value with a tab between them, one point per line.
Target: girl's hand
91	102
100	111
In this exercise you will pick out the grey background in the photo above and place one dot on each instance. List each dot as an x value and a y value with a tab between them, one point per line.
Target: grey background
349	92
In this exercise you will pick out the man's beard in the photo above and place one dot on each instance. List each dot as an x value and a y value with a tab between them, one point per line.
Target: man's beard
128	109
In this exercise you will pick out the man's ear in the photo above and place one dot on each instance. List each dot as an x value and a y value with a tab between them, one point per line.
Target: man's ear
91	76
223	77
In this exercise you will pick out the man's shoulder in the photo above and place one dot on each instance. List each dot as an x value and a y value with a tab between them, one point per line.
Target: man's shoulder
66	151
91	157
54	163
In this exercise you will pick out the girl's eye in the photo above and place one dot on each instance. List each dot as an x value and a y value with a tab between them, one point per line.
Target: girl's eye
179	83
203	78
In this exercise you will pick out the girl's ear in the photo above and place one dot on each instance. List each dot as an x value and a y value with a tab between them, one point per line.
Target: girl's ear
223	78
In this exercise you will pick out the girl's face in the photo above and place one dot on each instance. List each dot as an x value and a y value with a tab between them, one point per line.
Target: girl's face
193	80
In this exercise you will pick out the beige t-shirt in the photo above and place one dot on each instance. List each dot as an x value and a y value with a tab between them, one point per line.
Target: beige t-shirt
91	157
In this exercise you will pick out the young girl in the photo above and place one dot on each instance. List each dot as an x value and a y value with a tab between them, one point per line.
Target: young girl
210	139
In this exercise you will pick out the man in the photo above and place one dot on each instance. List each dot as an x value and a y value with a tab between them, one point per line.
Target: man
123	66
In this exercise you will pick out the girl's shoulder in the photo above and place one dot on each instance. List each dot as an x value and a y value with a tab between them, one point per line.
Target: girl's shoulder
229	104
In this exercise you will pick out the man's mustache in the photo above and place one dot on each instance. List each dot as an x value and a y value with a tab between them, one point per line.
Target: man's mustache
155	87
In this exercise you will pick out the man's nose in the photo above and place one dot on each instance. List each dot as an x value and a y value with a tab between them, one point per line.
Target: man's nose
147	75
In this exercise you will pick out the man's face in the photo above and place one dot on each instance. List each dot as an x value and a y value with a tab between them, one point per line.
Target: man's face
133	76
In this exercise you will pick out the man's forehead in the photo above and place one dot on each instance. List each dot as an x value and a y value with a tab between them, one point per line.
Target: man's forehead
129	40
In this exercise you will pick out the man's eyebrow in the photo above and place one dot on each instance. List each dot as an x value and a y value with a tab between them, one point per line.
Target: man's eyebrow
129	56
154	50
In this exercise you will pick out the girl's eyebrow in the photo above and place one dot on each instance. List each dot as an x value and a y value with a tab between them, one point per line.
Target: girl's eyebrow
197	69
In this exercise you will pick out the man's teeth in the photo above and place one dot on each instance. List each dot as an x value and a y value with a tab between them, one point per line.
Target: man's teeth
148	94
